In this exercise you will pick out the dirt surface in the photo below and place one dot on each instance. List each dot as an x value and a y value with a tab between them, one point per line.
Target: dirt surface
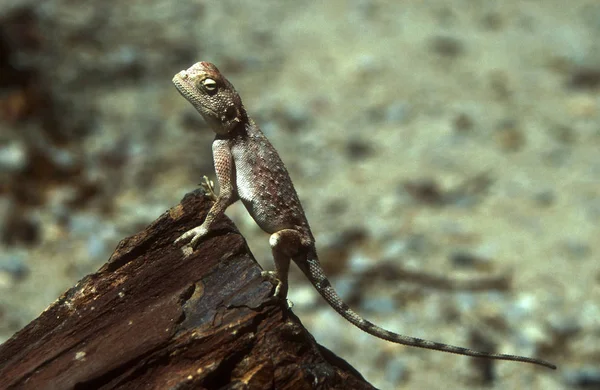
453	139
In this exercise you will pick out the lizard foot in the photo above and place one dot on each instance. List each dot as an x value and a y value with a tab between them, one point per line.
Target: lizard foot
195	234
209	188
271	276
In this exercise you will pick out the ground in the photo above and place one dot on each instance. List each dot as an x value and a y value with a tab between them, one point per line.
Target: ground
456	141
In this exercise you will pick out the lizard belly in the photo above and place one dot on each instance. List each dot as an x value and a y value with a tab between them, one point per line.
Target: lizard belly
260	206
268	199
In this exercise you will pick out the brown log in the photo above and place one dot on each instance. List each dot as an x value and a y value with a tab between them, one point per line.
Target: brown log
152	318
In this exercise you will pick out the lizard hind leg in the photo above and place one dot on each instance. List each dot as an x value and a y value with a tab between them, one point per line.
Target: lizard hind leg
285	244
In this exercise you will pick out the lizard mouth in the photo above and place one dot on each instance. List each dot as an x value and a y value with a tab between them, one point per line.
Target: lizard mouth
186	87
182	83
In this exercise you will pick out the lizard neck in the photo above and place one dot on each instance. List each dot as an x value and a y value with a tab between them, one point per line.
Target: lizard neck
241	129
246	129
252	129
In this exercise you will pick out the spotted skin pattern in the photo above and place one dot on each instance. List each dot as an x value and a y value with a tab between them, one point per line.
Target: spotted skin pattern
249	169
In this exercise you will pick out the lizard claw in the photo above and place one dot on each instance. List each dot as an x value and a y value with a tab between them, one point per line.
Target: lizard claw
209	188
271	276
196	235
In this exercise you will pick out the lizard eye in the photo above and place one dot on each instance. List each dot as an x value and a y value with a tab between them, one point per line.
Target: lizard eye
209	84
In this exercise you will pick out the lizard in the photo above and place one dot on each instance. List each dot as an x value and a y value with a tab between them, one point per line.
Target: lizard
249	169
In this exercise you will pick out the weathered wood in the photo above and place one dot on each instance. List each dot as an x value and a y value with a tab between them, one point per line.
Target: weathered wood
152	318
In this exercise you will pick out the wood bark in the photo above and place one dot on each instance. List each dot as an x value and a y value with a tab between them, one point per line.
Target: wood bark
155	318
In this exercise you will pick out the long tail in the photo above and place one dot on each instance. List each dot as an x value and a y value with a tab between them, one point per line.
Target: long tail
314	272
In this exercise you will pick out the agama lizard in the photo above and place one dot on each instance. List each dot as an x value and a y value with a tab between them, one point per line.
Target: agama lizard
249	169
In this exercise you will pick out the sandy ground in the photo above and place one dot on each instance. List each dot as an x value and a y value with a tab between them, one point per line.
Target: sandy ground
457	139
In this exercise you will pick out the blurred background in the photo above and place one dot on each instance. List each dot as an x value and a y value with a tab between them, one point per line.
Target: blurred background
446	153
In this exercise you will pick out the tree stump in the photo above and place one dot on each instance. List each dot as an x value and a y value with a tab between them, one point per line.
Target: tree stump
155	318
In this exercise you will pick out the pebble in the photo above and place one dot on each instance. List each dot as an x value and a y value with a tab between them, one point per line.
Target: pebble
564	134
463	123
100	236
587	377
97	248
394	249
564	326
304	296
296	117
545	198
584	78
576	249
492	21
464	259
465	301
557	157
358	149
396	371
418	244
358	262
22	228
509	136
532	334
380	305
447	46
14	265
13	157
396	112
583	106
521	308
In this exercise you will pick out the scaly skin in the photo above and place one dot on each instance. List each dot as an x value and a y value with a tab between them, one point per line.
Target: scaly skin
249	169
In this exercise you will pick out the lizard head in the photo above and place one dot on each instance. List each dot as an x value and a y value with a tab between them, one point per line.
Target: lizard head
212	95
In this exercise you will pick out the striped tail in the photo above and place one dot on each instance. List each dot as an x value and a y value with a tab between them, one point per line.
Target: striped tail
314	272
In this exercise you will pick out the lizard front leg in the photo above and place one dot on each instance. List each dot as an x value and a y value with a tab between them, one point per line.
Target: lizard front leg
227	195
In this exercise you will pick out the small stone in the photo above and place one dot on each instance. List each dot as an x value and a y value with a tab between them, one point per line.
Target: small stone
395	371
587	377
564	134
545	198
576	249
337	207
463	259
463	123
97	248
418	243
584	78
14	265
484	369
358	262
509	136
590	15
583	106
304	297
425	191
366	64
394	249
447	46
564	326
396	112
500	85
291	118
492	21
379	305
556	157
13	157
21	228
521	308
358	149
